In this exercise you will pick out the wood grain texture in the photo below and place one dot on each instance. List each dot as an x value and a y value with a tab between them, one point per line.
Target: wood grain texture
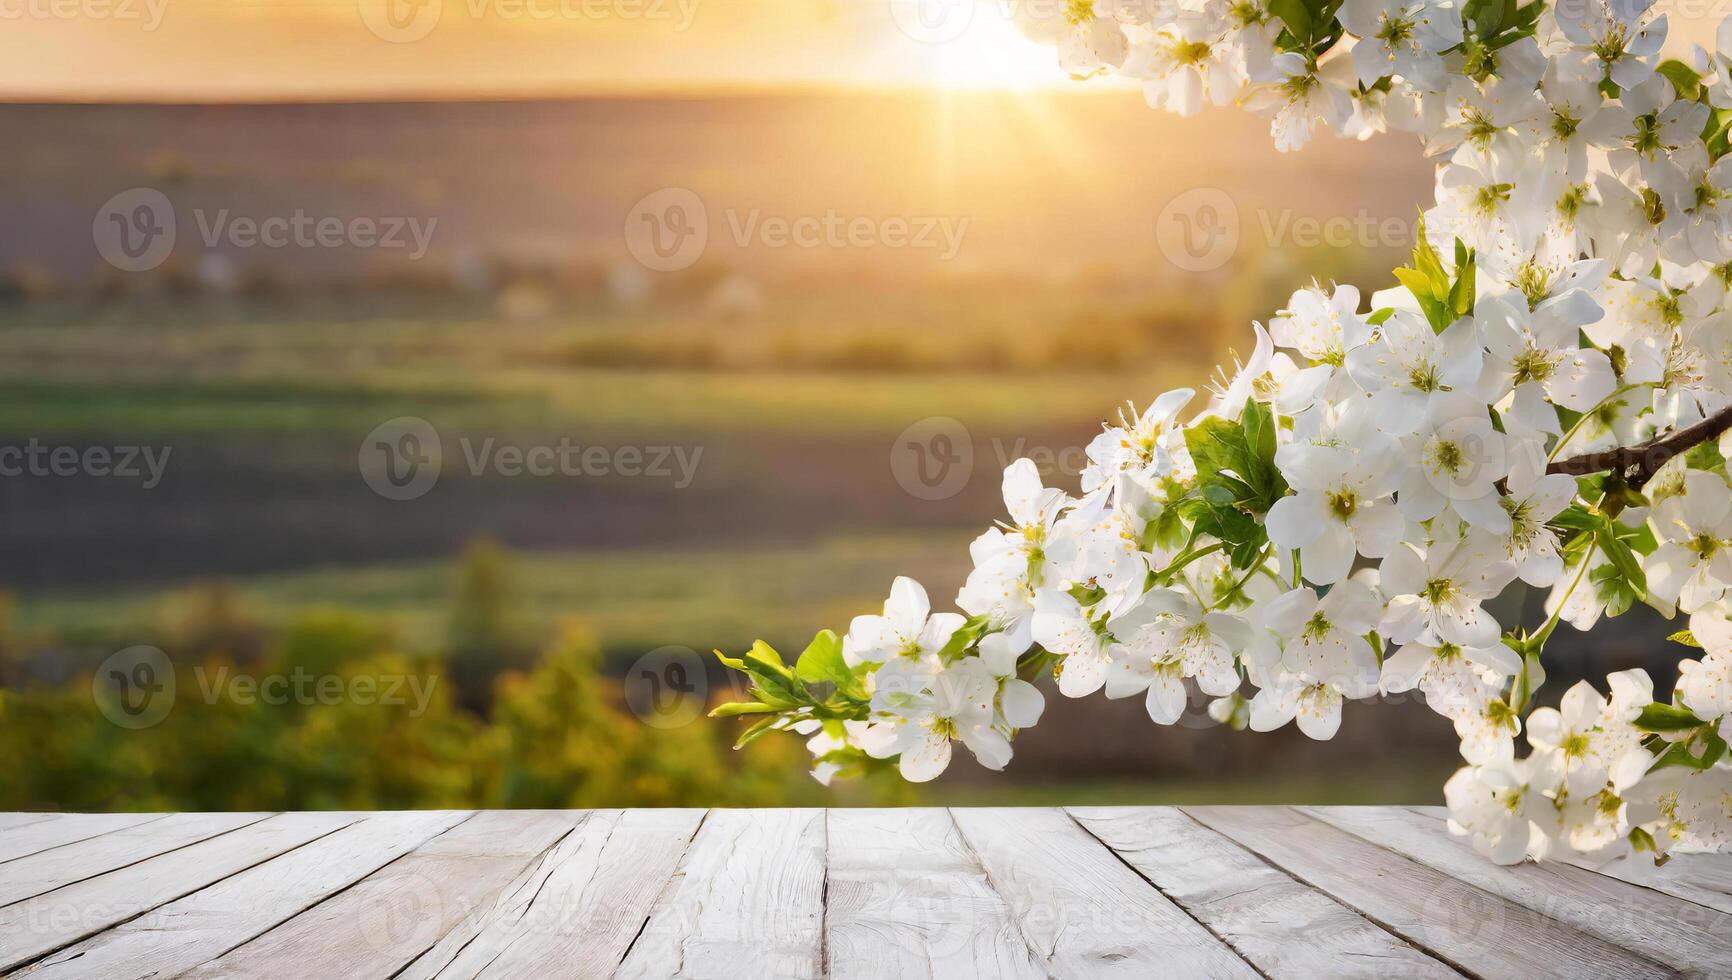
402	910
12	821
1095	891
747	900
35	927
1465	925
906	897
180	935
57	867
31	837
1285	928
1705	879
1670	930
1080	908
577	912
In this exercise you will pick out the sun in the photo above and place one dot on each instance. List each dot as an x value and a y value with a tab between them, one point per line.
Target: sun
963	45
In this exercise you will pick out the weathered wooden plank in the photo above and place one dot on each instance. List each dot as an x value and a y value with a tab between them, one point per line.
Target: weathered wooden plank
57	867
1285	928
12	821
1081	909
1659	927
907	898
182	934
577	913
35	927
1468	926
70	828
747	901
1705	879
400	911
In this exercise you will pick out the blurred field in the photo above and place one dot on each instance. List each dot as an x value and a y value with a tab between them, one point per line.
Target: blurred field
793	371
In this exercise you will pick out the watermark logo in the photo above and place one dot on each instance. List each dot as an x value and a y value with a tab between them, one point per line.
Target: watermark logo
134	230
932	21
933	458
1198	230
667	230
401	21
147	464
667	687
148	13
401	459
135	688
409	915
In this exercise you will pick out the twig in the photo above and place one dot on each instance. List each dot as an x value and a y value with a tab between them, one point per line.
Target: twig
1639	463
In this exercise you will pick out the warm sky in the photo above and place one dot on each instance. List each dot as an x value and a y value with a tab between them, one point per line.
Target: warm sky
213	50
250	49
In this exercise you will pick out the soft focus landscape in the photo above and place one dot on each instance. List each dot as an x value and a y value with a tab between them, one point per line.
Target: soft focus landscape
543	612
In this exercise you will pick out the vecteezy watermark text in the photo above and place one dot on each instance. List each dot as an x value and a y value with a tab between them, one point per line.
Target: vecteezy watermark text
136	230
144	463
136	688
678	464
148	13
401	459
302	230
669	229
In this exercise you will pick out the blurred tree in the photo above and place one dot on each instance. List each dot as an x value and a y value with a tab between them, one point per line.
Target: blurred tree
484	636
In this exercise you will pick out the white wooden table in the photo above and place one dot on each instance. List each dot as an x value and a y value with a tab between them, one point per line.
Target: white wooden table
1134	892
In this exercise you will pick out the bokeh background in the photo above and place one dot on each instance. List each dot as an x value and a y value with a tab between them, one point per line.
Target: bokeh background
597	187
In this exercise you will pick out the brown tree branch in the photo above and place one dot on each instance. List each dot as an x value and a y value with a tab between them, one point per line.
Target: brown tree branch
1639	463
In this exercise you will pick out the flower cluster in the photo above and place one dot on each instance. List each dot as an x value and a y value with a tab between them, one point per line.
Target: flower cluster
1541	398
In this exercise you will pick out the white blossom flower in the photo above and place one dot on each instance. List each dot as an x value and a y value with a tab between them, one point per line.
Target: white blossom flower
1307	96
1011	561
1326	658
1322	325
1181	641
924	709
1455	680
1185	62
1401	37
1089	34
908	629
1491	804
1693	565
1454	457
1409	362
1443	588
1342	507
1536	357
1613	32
1150	444
1593	739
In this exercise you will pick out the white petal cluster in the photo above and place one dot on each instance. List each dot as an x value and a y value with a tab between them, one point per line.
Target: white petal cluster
1340	519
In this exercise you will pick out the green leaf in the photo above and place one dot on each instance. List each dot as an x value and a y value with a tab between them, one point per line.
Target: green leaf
1085	594
1705	456
754	732
1484	16
1623	558
1659	717
1461	295
1295	14
734	708
1684	79
1699	752
822	662
1380	316
1685	637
